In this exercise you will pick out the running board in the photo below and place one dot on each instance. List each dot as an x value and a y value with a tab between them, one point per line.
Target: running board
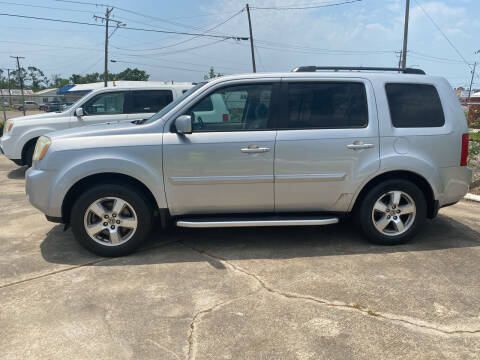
274	221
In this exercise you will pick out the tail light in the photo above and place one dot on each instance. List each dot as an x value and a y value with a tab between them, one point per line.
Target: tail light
464	157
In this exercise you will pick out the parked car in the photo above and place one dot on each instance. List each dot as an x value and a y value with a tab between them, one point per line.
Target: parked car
66	105
102	105
29	105
300	148
52	106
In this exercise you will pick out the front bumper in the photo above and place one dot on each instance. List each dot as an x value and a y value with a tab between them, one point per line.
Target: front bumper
6	146
38	189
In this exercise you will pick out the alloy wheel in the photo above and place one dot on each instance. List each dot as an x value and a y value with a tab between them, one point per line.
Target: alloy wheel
393	213
110	221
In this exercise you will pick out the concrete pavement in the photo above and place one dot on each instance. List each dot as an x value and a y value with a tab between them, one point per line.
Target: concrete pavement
271	293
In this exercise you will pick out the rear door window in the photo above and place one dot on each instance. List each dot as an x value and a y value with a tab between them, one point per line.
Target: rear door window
414	105
150	101
327	105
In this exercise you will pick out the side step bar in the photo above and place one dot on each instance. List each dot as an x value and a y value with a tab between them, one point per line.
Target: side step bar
218	223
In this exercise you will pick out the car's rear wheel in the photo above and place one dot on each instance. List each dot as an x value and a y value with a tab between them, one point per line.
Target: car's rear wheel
111	219
392	212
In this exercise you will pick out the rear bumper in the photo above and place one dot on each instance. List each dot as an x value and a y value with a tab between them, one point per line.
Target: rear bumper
456	182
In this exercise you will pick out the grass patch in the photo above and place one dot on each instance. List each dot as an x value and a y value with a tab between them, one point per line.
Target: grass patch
474	136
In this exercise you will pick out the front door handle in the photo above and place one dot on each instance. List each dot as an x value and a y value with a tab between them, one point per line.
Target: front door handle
359	145
253	149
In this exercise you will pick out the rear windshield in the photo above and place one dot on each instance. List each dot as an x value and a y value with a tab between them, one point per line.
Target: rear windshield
414	105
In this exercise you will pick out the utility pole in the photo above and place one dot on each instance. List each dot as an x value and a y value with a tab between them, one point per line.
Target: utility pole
107	36
9	91
471	84
405	35
252	49
20	79
399	58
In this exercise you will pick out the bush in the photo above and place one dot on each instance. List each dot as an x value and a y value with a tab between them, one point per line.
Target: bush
1	128
474	150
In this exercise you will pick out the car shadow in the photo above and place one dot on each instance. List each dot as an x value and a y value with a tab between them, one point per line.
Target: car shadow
175	245
18	173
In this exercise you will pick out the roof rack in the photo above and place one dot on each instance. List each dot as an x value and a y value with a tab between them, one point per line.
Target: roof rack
358	68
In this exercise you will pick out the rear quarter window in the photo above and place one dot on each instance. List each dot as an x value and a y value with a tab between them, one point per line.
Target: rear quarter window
414	105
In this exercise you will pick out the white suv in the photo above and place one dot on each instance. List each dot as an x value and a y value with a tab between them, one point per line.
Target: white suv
279	149
136	102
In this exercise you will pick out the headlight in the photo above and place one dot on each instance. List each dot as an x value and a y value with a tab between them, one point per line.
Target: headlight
43	143
8	126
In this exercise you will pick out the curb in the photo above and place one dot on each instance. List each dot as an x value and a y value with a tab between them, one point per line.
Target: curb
472	197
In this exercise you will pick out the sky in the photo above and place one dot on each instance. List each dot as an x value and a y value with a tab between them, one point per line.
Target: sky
443	36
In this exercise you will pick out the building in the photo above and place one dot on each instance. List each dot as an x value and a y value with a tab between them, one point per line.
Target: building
47	95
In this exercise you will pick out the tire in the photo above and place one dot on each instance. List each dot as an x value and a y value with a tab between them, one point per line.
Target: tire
28	160
128	238
381	209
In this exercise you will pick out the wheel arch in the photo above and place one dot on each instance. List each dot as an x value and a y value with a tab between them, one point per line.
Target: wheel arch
411	176
101	178
25	147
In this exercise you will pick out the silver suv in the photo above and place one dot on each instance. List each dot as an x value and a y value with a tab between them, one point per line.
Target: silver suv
279	149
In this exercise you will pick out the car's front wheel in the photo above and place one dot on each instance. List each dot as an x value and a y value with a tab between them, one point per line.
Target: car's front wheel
111	219
392	212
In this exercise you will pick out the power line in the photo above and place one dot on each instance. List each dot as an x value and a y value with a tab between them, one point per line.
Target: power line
294	7
187	63
438	58
127	28
46	45
181	50
156	65
84	3
44	7
183	41
444	35
303	47
139	14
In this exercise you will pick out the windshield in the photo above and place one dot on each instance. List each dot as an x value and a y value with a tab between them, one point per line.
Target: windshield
170	106
75	104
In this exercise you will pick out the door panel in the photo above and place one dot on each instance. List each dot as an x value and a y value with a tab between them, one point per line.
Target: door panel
226	164
209	173
319	169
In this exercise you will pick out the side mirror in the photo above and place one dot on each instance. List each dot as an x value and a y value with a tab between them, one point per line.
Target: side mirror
79	112
183	124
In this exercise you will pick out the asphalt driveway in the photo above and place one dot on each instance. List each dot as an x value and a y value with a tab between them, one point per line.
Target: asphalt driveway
272	293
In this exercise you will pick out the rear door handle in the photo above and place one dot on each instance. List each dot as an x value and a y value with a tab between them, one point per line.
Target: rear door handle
253	149
359	145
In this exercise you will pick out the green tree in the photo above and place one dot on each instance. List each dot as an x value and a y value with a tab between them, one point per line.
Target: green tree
35	79
88	78
132	75
211	74
57	81
3	80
